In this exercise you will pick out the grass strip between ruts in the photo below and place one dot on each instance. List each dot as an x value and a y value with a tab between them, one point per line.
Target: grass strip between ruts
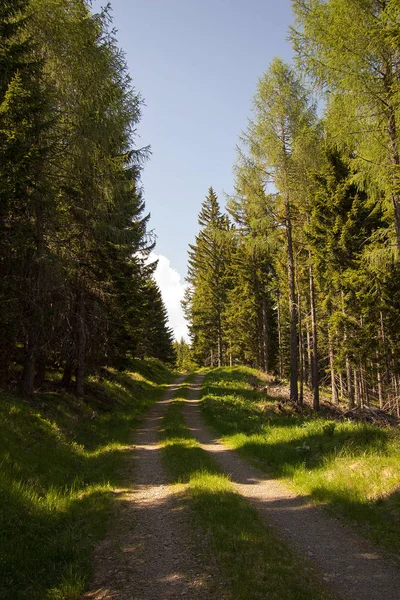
254	562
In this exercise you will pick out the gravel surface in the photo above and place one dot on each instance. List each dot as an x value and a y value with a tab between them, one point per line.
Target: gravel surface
150	553
352	568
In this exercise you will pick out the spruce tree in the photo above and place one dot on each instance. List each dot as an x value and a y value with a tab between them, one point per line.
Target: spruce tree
208	280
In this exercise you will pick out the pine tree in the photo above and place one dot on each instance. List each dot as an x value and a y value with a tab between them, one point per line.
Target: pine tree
208	282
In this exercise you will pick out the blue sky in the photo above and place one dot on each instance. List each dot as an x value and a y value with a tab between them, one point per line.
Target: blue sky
196	65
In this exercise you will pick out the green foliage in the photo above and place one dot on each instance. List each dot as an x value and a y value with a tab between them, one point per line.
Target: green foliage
208	278
184	361
75	287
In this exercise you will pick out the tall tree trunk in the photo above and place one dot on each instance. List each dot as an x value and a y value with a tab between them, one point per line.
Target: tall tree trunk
219	343
67	374
384	346
335	398
357	398
280	337
393	137
309	376
365	385
31	349
294	394
380	388
350	389
265	334
40	370
34	302
81	346
314	369
301	349
341	387
349	381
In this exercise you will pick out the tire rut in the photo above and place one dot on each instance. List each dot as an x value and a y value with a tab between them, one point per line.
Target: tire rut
351	567
149	553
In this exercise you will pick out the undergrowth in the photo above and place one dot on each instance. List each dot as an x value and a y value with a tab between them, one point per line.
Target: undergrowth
60	460
352	468
255	563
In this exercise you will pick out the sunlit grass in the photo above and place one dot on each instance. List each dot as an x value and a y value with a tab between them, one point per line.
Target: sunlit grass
254	562
353	468
60	460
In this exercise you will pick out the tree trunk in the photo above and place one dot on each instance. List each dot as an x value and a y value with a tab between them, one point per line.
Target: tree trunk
40	370
384	346
341	387
301	349
392	131
280	337
379	380
265	335
219	343
350	389
365	386
357	398
81	349
335	398
28	376
314	369
294	395
67	374
34	301
309	376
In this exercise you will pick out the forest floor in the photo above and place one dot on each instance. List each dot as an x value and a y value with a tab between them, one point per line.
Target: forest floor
185	530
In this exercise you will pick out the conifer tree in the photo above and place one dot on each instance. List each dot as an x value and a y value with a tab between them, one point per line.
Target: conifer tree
208	282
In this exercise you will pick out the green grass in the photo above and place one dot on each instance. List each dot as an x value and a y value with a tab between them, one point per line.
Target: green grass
255	563
60	459
352	468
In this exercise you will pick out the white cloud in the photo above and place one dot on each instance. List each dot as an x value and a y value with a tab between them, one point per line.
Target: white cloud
172	289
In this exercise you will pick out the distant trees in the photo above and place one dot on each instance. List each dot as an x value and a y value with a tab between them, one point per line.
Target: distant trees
208	283
75	289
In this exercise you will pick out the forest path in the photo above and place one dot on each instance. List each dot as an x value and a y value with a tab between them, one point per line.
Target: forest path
351	567
150	553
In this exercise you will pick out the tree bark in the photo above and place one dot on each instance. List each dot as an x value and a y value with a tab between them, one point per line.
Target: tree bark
294	394
265	335
28	376
40	370
67	374
314	368
279	337
81	349
301	349
335	398
357	398
350	389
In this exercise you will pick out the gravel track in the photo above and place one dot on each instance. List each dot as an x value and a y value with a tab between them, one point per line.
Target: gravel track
351	567
150	553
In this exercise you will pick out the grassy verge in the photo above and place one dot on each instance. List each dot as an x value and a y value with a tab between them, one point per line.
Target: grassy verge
255	563
352	468
60	460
